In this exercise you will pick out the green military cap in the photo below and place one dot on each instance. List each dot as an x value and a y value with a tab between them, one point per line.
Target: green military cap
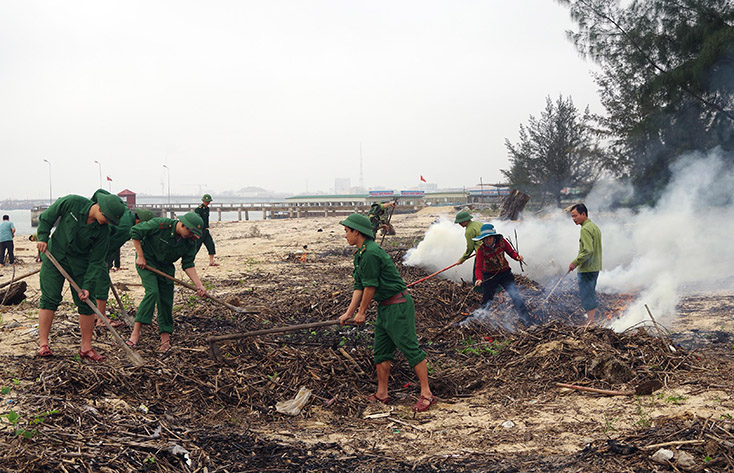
360	223
144	214
111	207
193	222
206	198
463	216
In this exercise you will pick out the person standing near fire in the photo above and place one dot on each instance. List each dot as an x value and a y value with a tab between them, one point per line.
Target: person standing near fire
206	237
376	277
588	261
492	269
472	230
380	219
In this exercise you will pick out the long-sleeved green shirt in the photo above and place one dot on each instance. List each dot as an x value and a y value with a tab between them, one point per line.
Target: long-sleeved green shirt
472	230
82	244
373	267
589	257
162	246
203	212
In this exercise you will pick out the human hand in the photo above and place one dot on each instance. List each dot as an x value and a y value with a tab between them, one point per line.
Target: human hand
84	295
478	283
360	318
201	291
42	246
344	318
571	267
140	261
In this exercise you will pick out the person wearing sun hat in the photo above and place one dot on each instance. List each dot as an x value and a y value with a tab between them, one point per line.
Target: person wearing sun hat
159	243
492	269
206	237
376	278
79	243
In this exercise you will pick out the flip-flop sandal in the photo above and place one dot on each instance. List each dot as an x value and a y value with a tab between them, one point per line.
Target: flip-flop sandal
131	344
421	405
91	355
374	398
44	351
213	264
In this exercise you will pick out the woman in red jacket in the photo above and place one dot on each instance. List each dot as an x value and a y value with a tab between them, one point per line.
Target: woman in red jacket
492	269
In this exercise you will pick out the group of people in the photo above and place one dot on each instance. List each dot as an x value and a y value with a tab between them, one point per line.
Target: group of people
88	232
492	270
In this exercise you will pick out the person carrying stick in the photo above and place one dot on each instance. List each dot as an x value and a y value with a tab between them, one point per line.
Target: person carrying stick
588	261
159	243
376	277
80	244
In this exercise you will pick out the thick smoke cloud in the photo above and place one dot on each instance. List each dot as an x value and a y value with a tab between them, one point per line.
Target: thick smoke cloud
658	253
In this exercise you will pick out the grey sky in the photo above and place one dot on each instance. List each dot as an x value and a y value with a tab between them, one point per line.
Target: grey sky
275	94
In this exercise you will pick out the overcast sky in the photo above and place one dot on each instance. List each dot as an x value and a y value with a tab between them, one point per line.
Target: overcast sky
273	93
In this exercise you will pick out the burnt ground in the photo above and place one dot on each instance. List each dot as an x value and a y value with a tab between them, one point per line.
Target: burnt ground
500	409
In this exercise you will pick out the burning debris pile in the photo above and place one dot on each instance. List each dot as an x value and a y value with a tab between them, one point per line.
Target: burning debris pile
184	412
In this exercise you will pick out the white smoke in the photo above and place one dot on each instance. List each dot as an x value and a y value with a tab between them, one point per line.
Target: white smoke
659	252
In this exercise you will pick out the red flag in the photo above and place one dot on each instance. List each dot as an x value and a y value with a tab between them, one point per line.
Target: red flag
109	179
422	179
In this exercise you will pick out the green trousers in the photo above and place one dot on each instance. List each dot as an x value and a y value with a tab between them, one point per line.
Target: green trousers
207	240
52	283
158	292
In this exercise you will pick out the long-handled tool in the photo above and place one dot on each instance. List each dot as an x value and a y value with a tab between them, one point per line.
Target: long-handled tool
125	316
437	272
517	250
14	280
134	357
241	310
388	220
214	339
553	290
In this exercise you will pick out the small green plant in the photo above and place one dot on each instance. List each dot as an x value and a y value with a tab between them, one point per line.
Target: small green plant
707	458
609	424
726	416
675	399
5	390
431	368
15	420
485	348
16	381
150	460
644	417
127	301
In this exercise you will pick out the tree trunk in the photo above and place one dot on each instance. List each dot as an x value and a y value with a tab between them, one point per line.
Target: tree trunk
513	205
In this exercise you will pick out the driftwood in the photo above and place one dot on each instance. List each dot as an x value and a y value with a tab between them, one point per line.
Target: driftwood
13	295
513	205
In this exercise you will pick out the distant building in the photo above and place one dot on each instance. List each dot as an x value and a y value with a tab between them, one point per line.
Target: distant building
128	197
342	185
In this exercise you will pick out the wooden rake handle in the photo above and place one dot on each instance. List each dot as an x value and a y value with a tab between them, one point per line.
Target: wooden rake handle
134	357
208	296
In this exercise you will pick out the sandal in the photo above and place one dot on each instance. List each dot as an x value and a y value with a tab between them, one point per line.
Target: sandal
374	398
213	264
131	344
165	347
44	351
91	354
421	405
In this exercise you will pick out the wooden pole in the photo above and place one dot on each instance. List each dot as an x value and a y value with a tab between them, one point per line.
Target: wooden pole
14	280
241	310
125	316
134	357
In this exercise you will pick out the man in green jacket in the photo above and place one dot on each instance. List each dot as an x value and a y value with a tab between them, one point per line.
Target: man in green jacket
206	237
588	260
159	243
376	277
80	244
472	230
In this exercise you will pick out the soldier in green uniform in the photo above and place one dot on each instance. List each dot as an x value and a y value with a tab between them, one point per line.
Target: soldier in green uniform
206	237
80	244
472	230
159	243
119	234
379	217
376	277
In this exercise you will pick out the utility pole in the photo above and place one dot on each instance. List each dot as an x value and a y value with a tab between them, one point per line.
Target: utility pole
100	173
169	184
50	199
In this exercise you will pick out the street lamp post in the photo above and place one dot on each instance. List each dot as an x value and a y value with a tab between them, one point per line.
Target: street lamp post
169	184
100	172
50	198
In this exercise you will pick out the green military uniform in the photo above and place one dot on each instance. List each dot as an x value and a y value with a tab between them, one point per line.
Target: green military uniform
378	216
119	234
80	248
206	237
162	246
395	324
